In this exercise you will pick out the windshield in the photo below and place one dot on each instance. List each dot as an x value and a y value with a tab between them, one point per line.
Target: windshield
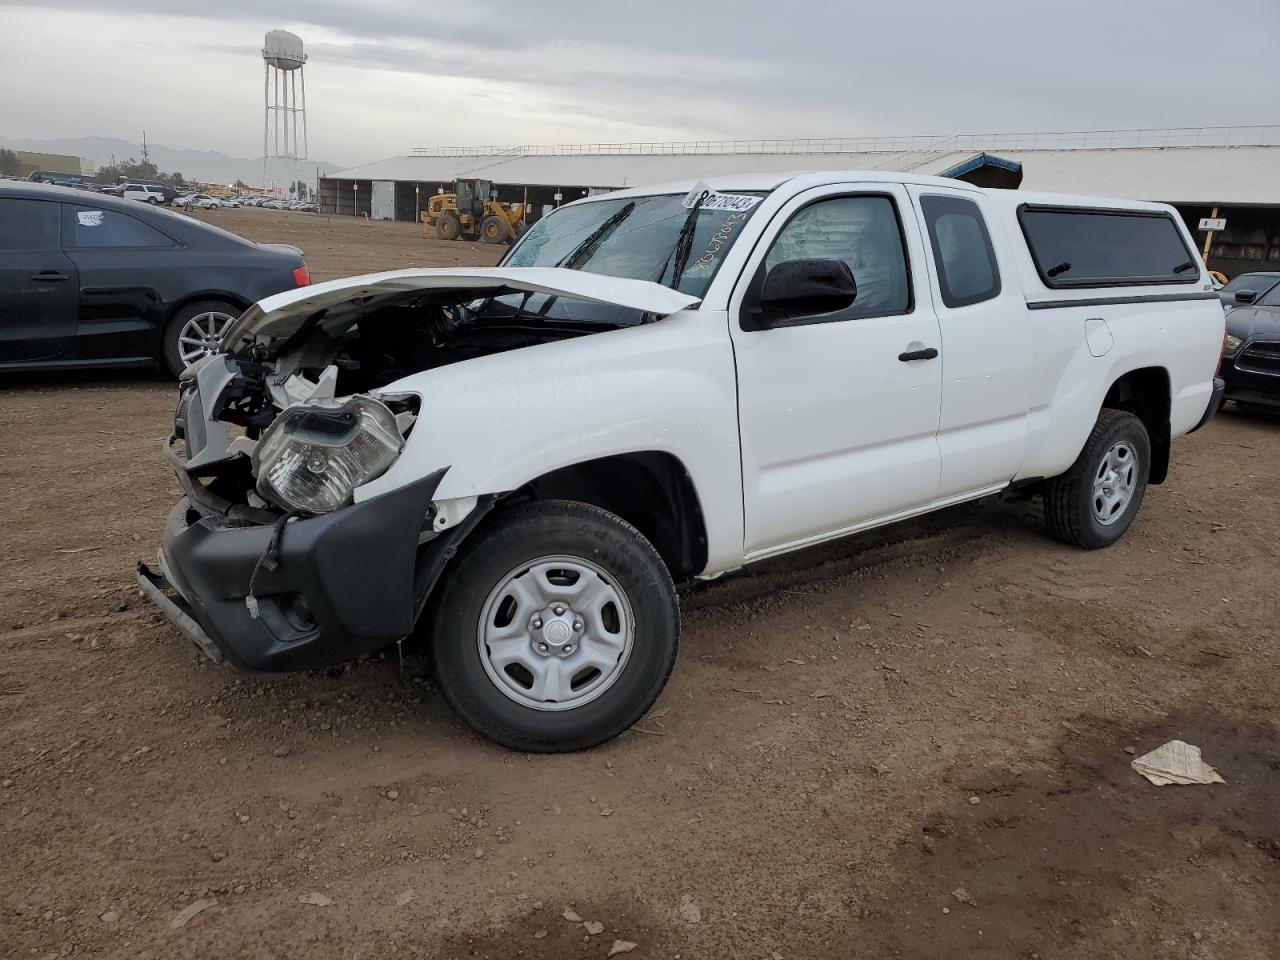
1251	281
635	238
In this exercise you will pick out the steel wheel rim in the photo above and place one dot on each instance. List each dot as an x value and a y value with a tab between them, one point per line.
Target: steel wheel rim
202	335
1114	483
555	633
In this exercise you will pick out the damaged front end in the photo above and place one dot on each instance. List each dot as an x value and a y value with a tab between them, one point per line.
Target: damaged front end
273	560
267	563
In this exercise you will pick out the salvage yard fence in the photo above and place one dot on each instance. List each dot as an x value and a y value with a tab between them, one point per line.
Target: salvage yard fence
1253	136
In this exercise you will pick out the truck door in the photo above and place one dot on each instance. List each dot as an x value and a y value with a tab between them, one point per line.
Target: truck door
986	341
838	410
38	286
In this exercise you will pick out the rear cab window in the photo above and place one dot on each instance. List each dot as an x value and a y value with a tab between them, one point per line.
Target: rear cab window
962	252
1095	247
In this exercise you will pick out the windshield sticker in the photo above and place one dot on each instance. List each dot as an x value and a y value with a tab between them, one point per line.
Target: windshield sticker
711	200
89	218
718	240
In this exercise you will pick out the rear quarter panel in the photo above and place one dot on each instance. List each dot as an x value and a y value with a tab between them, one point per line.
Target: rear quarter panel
1178	329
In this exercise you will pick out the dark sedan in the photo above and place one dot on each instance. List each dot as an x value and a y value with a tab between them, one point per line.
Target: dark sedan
1251	355
1247	288
93	281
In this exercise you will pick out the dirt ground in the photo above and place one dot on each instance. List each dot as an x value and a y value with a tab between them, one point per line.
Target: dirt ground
910	744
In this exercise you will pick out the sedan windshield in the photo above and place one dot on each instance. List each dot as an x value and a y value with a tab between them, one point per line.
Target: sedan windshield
1252	281
637	238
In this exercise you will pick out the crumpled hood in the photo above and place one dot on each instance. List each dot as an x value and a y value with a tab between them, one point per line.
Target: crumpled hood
273	319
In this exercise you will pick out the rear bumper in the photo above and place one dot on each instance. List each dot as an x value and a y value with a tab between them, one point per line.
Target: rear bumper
342	584
1215	401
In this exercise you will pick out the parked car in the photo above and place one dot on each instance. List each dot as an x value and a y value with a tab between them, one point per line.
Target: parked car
201	201
519	462
1251	353
143	192
1247	288
88	280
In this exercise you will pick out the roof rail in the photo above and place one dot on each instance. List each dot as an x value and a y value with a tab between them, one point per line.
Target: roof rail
1238	136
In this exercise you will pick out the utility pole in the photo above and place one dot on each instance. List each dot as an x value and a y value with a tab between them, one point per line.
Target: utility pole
145	153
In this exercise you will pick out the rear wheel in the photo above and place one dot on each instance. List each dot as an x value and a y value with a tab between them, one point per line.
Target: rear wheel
448	226
1093	503
555	628
493	229
194	332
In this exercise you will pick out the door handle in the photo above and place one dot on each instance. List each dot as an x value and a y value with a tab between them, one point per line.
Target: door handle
49	276
928	353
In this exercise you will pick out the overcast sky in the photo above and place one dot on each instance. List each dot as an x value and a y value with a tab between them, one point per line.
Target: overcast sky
387	76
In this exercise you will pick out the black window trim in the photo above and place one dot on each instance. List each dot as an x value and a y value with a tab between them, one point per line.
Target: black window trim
1055	283
67	211
943	288
1113	301
752	293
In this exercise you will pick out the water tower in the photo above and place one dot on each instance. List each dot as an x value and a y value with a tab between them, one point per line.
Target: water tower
283	109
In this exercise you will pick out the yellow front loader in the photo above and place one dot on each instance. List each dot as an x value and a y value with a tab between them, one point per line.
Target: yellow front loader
471	211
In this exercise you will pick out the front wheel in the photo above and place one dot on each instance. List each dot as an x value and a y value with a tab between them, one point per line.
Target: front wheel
555	628
448	226
1093	503
493	229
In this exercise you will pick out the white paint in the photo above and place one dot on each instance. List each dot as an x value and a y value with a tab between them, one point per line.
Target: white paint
799	434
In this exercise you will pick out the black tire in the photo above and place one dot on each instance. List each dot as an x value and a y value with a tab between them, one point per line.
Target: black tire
523	534
448	226
493	229
1069	503
170	350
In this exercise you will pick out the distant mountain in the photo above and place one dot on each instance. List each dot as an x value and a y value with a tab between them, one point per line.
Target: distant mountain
205	165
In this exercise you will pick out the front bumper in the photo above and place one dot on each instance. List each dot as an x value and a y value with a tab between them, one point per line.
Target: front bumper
342	585
1253	374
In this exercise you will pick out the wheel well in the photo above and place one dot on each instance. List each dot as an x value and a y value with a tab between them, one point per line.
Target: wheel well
229	299
1146	394
650	490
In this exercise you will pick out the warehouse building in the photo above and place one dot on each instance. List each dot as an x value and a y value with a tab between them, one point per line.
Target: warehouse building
1227	173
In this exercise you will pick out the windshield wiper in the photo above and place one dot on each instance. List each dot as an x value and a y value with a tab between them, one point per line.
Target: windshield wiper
1185	266
684	242
1060	268
587	246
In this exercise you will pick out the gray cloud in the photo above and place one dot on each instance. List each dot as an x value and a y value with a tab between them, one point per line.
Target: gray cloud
764	69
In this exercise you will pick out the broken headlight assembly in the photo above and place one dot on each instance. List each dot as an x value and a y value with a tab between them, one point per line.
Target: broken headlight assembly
314	455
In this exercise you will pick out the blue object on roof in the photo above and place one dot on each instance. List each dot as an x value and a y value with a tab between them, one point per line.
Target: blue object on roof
986	170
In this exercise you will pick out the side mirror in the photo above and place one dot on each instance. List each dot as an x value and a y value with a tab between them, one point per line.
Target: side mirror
801	288
1246	296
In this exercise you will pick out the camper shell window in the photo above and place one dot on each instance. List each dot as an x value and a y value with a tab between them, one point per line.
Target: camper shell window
1092	247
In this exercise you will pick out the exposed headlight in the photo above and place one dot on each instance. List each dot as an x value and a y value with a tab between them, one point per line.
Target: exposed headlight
315	454
1231	345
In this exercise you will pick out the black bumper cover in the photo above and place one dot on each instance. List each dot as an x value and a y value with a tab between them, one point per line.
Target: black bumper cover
343	584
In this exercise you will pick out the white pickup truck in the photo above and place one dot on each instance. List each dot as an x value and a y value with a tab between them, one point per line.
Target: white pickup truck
515	465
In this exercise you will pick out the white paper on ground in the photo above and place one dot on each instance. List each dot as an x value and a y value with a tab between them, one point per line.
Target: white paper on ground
1175	762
